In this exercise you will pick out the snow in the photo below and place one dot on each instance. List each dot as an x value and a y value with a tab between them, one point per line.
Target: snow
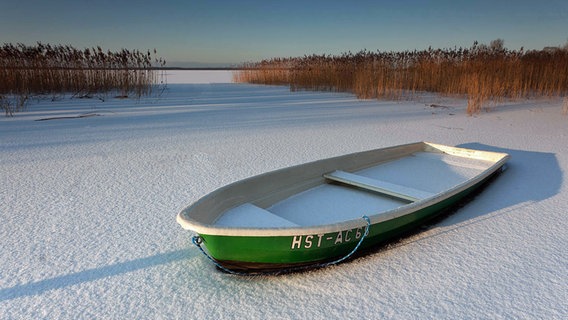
437	172
88	207
338	203
251	216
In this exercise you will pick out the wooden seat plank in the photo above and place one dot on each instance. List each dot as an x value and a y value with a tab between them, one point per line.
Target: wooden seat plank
387	188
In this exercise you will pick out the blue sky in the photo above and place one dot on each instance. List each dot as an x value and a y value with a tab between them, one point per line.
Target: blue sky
229	32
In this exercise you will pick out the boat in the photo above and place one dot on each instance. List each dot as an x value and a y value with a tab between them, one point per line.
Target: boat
320	213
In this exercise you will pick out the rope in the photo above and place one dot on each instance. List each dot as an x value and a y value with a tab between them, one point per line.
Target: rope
197	241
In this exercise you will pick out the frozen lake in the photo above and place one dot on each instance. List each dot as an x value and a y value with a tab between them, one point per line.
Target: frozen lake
89	204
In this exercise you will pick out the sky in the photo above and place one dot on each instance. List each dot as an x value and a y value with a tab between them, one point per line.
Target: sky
229	32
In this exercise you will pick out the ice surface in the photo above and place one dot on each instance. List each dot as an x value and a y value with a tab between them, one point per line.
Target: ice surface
198	76
88	208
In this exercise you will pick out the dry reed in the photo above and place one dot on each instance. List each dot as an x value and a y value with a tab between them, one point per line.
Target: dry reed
481	73
44	69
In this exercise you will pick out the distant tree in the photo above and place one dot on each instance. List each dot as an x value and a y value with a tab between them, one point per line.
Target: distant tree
497	44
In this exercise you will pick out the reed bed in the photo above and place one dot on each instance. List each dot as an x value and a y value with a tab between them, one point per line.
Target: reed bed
484	74
44	69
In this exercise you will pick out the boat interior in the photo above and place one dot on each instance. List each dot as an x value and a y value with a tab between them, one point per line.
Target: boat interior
344	192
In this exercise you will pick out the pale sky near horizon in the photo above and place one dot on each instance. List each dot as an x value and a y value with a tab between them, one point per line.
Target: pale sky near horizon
231	32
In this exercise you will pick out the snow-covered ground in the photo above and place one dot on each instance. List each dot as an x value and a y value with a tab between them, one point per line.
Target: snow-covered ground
88	207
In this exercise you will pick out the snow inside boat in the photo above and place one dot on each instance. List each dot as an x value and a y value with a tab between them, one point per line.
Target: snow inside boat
321	212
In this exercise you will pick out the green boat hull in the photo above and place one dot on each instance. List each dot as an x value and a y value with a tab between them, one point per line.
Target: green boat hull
271	253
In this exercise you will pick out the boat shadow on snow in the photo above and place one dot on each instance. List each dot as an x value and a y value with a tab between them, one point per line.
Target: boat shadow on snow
90	275
529	177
